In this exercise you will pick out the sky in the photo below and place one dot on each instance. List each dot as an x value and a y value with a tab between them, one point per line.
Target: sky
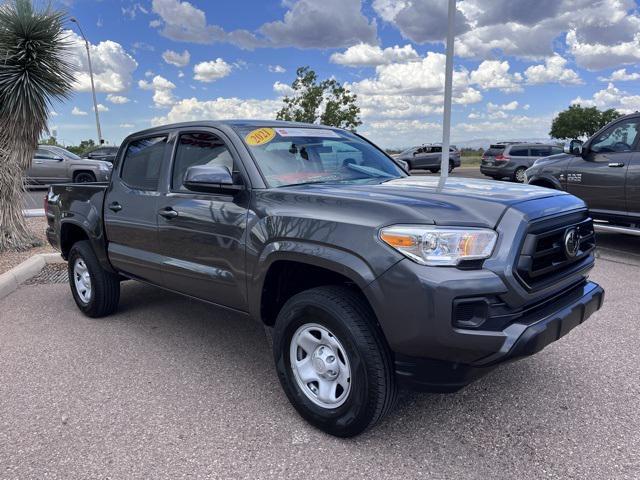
517	63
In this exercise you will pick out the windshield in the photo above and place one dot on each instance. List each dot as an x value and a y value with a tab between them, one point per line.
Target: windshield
65	153
294	156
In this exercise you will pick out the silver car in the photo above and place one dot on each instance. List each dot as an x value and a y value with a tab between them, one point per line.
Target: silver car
429	157
52	164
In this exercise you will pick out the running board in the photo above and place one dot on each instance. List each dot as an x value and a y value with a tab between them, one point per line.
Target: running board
604	227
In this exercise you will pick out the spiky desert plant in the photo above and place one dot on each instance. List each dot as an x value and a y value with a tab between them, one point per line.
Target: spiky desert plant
34	72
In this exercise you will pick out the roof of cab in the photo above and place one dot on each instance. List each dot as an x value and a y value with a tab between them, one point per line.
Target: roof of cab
229	123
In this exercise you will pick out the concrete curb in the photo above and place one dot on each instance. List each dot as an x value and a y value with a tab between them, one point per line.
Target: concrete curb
11	280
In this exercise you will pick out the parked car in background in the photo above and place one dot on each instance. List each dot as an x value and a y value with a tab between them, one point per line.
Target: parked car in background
106	153
512	159
53	164
604	172
429	157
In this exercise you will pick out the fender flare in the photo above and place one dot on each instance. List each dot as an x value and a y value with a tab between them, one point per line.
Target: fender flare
546	178
95	235
328	257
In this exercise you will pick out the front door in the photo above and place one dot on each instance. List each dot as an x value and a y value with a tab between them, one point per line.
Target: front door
202	236
599	177
47	167
632	188
131	206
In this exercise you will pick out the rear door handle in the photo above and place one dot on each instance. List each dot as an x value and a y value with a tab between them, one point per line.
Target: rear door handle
168	213
616	164
115	206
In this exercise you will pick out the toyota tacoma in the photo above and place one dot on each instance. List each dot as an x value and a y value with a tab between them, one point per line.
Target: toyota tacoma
366	278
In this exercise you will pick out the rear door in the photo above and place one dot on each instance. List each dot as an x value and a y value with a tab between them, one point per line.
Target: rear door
599	177
538	151
131	206
489	156
202	236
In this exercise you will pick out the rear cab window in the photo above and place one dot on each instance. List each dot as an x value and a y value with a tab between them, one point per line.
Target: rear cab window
494	150
142	163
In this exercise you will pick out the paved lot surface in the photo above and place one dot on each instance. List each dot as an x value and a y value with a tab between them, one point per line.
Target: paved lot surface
172	388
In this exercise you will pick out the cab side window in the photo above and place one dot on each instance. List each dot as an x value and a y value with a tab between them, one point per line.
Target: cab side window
519	152
539	151
142	163
199	149
618	138
556	150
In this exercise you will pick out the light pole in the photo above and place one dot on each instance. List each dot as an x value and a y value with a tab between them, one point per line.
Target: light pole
448	91
93	88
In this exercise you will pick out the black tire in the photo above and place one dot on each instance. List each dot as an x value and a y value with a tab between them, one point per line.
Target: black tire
451	167
409	166
105	286
84	177
434	170
372	383
516	175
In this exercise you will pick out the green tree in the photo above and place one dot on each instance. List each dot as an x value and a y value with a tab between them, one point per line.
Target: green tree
314	101
34	71
85	146
578	121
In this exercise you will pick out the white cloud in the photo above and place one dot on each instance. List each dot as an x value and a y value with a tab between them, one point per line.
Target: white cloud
492	107
325	24
53	113
621	76
365	55
611	97
211	71
277	69
101	108
78	112
177	59
180	74
117	99
495	74
162	90
283	88
596	56
112	65
554	70
221	108
126	125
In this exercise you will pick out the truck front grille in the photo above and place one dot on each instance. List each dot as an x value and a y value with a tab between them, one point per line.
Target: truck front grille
554	249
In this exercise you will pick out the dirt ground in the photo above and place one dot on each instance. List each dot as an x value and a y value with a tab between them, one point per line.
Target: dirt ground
8	260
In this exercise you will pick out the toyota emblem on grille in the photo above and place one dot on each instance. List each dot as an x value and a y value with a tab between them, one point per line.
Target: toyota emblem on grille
571	243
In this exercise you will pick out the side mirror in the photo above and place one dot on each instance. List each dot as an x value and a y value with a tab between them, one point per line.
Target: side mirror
573	147
210	179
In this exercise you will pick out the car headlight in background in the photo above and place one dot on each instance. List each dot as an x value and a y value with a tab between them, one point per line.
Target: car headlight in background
105	167
440	246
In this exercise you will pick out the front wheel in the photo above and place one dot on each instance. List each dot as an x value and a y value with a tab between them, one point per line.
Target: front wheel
332	361
84	177
95	290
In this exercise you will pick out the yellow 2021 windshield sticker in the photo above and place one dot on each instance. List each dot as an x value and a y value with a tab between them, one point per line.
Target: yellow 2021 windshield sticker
260	136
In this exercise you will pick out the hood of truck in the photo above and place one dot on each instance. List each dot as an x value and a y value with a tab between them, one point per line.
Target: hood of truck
414	199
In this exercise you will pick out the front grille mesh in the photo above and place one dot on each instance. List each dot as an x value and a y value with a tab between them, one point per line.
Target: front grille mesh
544	259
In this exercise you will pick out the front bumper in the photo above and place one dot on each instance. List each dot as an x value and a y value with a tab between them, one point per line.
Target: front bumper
523	338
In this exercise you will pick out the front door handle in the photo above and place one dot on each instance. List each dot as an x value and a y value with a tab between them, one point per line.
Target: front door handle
616	164
168	213
115	206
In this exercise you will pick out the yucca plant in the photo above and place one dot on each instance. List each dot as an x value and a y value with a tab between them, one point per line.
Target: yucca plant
34	72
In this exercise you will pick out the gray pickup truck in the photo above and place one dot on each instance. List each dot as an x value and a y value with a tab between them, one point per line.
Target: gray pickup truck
366	278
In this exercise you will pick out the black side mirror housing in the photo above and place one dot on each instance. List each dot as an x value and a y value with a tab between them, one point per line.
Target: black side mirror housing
574	147
210	179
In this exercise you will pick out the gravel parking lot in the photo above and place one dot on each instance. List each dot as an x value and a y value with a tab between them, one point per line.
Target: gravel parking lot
172	388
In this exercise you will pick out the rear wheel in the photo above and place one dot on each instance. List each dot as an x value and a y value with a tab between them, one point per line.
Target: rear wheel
95	290
434	170
84	177
518	175
332	361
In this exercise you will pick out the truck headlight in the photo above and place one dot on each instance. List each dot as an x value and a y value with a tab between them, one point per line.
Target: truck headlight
440	246
105	167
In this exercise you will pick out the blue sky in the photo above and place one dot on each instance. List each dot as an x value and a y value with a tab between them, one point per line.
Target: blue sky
517	62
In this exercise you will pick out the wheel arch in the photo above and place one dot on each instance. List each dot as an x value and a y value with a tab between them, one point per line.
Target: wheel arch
75	230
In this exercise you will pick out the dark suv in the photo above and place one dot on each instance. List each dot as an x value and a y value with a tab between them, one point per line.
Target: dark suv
366	278
512	159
